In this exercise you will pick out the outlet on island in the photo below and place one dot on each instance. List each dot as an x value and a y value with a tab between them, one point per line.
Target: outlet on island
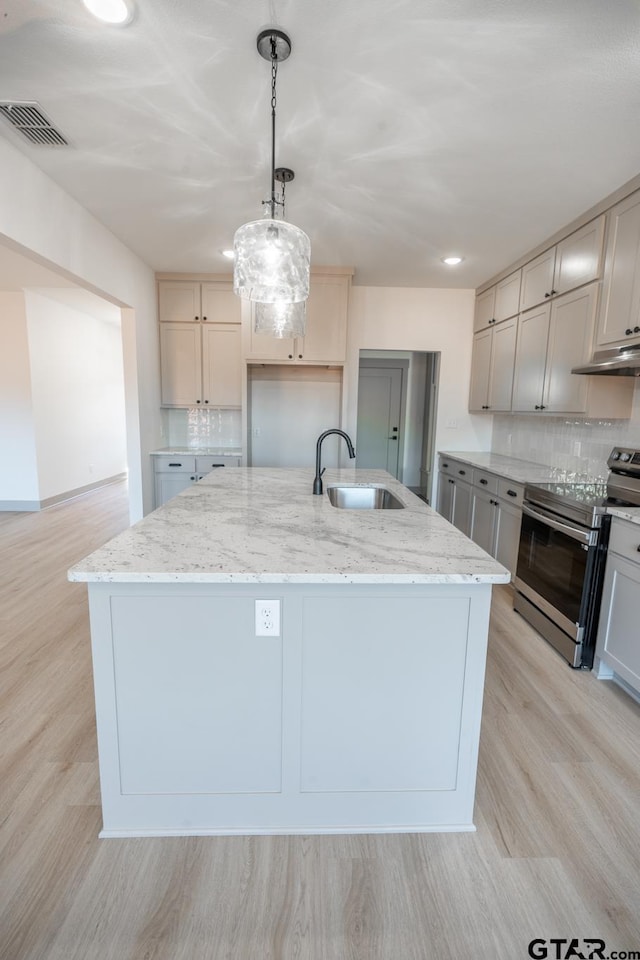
267	618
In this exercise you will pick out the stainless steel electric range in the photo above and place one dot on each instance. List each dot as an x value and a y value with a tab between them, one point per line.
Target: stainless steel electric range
562	553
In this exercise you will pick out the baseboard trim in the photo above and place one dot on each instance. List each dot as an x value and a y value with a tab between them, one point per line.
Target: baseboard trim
29	506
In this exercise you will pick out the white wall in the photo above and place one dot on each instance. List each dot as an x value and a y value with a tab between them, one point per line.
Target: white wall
78	395
19	474
399	318
40	220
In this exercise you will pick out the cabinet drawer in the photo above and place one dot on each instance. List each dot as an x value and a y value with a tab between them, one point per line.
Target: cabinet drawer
510	491
625	539
462	471
174	464
206	464
488	481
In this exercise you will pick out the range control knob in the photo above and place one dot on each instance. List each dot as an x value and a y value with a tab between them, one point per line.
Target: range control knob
615	455
625	456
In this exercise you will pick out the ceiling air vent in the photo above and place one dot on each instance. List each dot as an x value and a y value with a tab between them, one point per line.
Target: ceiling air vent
30	121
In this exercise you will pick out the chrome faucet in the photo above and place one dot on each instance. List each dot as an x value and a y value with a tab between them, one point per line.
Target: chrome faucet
317	483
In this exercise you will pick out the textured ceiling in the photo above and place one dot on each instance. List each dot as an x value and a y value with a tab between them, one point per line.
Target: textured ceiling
416	128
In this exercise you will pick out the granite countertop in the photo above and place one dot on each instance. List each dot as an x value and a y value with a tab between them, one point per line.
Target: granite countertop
626	513
197	452
261	525
520	471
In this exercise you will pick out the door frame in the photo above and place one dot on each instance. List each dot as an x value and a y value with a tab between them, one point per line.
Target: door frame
390	363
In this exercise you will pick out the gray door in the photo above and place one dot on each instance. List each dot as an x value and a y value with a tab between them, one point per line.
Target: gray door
379	412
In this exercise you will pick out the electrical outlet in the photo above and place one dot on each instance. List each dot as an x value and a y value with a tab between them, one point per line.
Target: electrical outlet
267	618
452	423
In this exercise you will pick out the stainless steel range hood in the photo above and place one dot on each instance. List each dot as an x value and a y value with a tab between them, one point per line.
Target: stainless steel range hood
618	362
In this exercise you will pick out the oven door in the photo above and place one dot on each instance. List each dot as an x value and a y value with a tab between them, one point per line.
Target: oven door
555	563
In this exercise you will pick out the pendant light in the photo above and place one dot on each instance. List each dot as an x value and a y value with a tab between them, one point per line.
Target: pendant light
280	319
272	256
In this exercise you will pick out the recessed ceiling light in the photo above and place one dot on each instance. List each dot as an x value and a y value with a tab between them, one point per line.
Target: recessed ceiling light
229	254
118	12
452	261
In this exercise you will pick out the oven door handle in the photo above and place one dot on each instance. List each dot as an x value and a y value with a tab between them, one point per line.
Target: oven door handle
589	537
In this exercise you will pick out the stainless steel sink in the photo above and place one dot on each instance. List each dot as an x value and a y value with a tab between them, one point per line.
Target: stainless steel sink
363	497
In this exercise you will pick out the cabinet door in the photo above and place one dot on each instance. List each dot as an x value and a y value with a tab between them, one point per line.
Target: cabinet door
446	491
325	339
480	370
180	364
537	279
531	352
462	505
219	303
508	297
570	338
483	526
178	301
221	364
503	353
169	485
618	639
579	257
507	535
620	303
265	347
485	309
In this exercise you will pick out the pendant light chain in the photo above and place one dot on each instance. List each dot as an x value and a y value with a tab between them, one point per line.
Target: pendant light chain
274	76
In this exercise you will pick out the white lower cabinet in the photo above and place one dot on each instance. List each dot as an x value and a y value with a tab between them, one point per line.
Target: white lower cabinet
454	493
496	518
618	642
173	474
484	506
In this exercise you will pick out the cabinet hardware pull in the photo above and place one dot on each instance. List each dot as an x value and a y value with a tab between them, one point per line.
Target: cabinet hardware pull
299	356
553	292
512	493
392	438
484	482
191	478
198	401
462	472
175	464
196	318
547	294
206	401
205	319
290	356
636	329
537	406
638	548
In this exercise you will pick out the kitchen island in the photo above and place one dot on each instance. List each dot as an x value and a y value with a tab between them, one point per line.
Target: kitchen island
359	711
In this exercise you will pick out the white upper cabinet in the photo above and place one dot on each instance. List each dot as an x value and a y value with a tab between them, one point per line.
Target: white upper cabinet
537	279
200	344
325	339
485	312
552	339
619	318
572	263
579	257
492	368
508	297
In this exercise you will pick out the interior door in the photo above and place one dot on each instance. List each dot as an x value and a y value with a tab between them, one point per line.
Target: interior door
379	413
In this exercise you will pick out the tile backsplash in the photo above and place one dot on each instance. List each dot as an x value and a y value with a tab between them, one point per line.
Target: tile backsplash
194	427
573	445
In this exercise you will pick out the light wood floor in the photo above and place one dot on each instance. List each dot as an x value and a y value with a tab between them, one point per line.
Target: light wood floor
556	853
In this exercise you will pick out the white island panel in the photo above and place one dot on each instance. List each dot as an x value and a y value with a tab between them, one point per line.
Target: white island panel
382	682
199	697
